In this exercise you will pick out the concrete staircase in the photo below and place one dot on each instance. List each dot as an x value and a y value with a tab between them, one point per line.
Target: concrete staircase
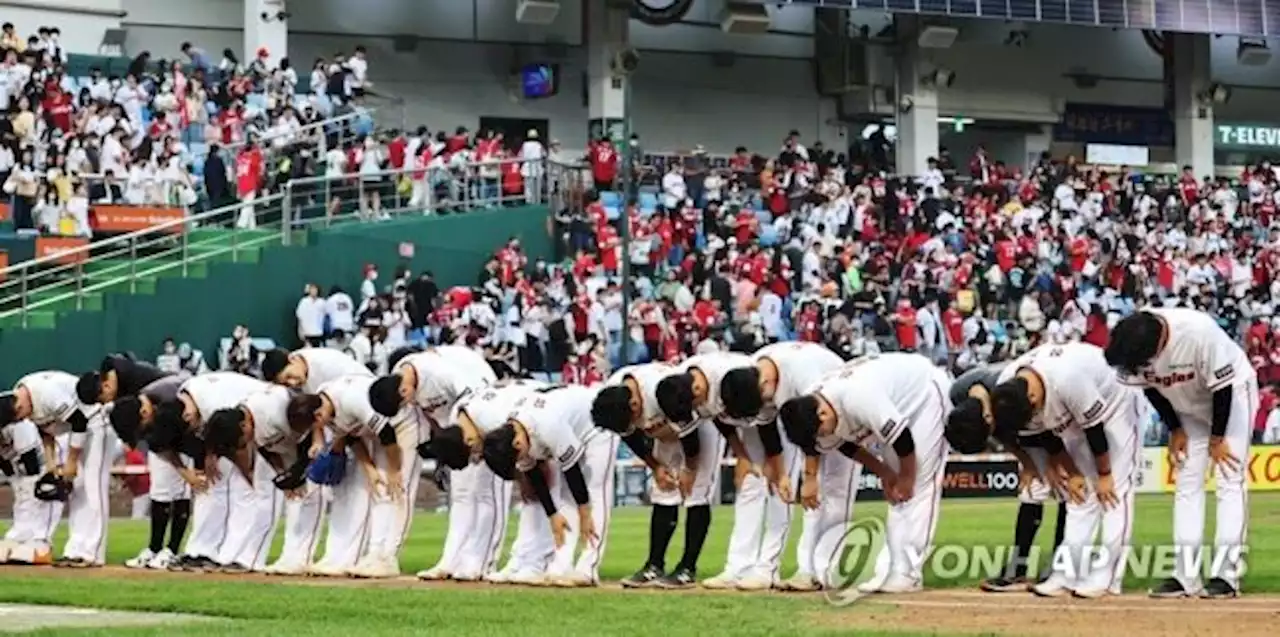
126	276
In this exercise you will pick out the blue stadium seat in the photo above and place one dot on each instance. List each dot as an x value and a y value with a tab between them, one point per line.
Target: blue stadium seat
612	213
256	100
648	202
764	217
610	198
768	236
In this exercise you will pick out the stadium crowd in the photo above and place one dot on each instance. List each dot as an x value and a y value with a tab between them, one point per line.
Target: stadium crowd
971	265
162	133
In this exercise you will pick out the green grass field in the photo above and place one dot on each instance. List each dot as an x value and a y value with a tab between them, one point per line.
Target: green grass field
256	605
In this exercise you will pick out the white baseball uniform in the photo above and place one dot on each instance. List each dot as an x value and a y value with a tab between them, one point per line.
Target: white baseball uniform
256	506
355	420
53	401
760	519
1198	359
488	409
210	510
1081	392
349	504
667	449
445	374
561	430
34	520
877	398
800	366
167	484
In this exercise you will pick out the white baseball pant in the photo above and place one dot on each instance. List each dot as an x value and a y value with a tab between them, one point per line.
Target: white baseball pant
761	519
910	526
389	520
1039	491
88	507
209	511
254	509
302	518
823	529
706	484
34	520
1078	565
1232	494
348	519
478	504
534	546
167	484
597	464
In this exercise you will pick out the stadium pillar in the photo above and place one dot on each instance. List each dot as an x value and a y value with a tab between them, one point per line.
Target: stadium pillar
917	101
1191	98
607	36
265	25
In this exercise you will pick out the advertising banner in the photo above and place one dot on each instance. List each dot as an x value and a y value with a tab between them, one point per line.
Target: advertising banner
134	218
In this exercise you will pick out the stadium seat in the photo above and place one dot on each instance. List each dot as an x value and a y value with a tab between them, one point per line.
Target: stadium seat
648	202
768	236
612	213
610	198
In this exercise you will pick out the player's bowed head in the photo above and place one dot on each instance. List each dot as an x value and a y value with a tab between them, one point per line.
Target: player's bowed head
8	409
676	397
225	432
449	446
128	414
274	364
741	393
802	422
614	408
389	393
967	429
1135	340
1011	406
500	450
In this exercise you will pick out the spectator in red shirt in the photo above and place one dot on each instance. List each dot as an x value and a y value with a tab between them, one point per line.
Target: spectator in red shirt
248	183
904	320
603	158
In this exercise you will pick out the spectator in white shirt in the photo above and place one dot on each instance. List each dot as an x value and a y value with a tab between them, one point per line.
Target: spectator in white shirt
342	314
674	189
311	314
359	66
532	153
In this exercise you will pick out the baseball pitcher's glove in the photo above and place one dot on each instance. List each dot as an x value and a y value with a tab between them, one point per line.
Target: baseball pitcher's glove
52	488
327	467
292	478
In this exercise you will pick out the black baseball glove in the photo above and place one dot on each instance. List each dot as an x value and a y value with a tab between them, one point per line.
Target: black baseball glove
292	478
53	488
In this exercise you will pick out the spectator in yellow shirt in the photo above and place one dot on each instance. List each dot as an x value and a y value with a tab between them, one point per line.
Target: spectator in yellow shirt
9	39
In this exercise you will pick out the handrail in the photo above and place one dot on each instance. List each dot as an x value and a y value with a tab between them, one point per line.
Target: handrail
304	130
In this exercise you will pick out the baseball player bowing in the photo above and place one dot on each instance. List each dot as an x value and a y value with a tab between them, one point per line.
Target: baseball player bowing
684	468
307	370
49	400
460	445
899	401
1069	399
970	427
170	463
760	514
555	426
35	515
1206	392
782	372
427	385
182	423
342	406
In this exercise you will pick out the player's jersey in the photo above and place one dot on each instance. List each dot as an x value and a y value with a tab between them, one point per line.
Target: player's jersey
352	413
165	389
647	377
445	373
53	399
17	439
800	367
1081	389
219	390
324	365
1198	359
877	397
559	424
987	376
489	408
714	366
270	410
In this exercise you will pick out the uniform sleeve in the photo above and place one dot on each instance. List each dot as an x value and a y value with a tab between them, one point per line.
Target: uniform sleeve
876	413
1083	401
562	444
1217	362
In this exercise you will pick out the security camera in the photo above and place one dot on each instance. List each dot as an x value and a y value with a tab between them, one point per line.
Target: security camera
905	104
625	62
283	15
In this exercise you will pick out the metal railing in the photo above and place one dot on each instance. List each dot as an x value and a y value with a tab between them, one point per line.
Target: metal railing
63	280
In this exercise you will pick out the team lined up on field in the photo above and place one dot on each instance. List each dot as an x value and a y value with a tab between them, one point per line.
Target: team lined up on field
799	421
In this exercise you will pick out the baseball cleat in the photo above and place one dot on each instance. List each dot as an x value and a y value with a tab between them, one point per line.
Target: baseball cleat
73	562
498	577
678	579
161	560
1218	588
800	583
143	560
1006	585
1052	587
721	582
754	583
528	578
320	569
234	568
897	584
434	574
1090	593
385	566
285	569
646	577
1170	588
